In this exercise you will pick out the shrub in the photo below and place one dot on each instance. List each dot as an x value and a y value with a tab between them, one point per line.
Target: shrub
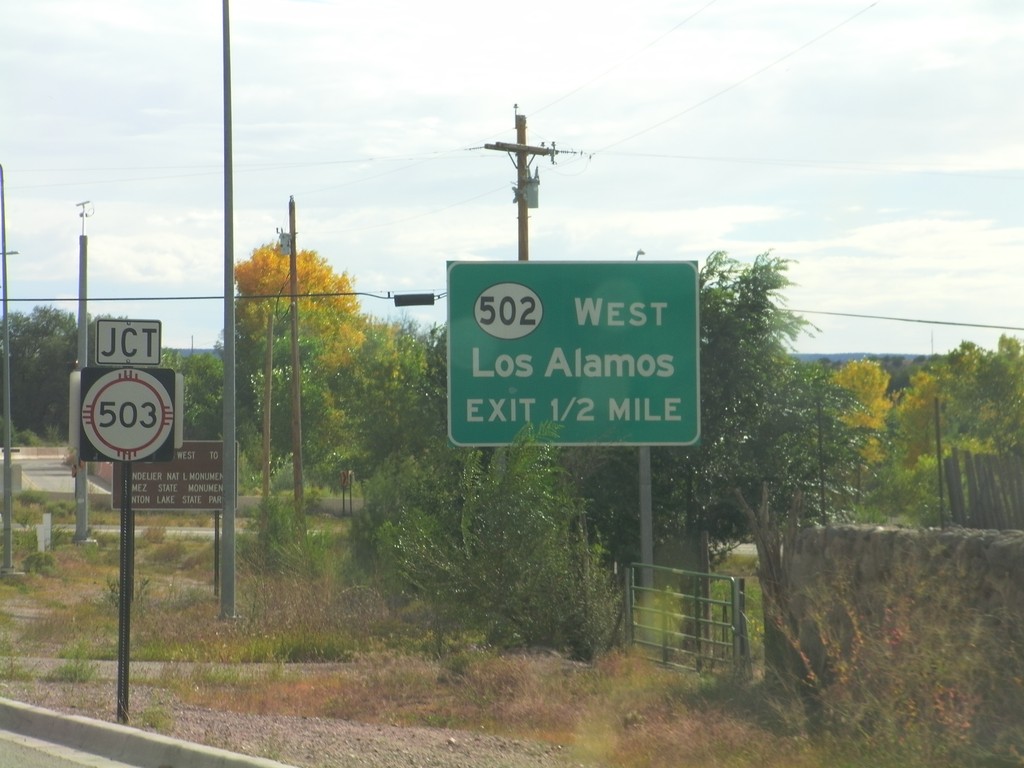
43	563
31	498
78	668
497	546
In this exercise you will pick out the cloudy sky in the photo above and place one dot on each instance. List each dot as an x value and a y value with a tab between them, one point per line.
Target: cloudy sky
878	146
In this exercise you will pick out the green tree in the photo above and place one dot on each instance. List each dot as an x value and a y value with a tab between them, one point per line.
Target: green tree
977	395
394	390
984	396
44	347
204	392
981	394
765	419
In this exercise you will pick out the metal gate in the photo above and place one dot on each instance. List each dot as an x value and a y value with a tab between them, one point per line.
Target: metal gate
687	619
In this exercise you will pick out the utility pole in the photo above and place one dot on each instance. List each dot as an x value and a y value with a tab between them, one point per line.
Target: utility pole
296	370
526	188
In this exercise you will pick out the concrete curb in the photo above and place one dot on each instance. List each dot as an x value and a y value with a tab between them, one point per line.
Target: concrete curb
118	742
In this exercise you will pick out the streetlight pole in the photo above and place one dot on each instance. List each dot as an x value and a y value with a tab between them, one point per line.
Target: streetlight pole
227	575
82	473
8	566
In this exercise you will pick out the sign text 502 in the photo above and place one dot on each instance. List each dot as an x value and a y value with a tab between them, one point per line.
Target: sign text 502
508	311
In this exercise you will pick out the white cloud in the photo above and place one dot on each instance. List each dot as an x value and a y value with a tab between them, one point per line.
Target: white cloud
878	146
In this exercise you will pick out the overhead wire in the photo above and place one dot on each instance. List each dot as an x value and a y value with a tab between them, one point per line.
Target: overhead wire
626	60
441	294
741	81
415	160
419	159
383	295
891	318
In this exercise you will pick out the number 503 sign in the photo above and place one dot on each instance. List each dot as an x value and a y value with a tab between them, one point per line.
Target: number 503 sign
129	414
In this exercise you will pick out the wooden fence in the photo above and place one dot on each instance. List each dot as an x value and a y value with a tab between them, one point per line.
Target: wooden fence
985	491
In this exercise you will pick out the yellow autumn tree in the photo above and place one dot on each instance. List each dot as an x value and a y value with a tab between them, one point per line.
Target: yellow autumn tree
328	309
868	382
330	335
915	417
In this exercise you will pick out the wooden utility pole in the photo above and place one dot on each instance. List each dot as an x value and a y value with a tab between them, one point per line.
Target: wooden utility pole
523	152
296	370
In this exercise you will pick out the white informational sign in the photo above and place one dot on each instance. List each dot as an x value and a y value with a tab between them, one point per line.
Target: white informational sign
128	414
127	342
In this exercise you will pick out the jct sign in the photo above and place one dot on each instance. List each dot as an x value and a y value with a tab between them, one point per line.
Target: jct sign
605	351
127	342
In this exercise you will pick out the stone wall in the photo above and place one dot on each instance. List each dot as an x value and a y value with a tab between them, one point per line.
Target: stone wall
854	579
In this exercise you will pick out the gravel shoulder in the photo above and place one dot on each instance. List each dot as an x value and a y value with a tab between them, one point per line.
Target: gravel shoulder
299	741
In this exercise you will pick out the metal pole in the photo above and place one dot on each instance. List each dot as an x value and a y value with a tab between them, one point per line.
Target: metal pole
938	461
216	552
82	475
227	591
126	591
7	567
296	372
268	376
646	522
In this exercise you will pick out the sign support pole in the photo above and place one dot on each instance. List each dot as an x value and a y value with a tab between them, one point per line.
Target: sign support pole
216	552
127	591
646	517
82	475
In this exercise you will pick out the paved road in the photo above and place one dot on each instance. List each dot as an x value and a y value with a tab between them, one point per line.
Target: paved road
18	751
48	473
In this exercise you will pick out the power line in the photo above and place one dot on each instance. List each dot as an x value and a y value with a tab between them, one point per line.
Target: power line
852	166
440	154
382	295
629	58
438	295
195	171
907	320
743	80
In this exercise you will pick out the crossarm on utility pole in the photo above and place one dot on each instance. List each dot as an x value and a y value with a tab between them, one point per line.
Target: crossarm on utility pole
523	152
503	146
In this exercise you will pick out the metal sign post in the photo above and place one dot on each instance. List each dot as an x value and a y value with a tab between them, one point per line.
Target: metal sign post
126	586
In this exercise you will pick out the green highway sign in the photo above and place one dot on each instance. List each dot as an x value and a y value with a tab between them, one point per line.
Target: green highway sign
607	352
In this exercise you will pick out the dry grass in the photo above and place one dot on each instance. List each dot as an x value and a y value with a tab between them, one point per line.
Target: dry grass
326	649
381	665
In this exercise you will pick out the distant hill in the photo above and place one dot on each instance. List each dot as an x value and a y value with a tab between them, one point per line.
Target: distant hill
845	357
